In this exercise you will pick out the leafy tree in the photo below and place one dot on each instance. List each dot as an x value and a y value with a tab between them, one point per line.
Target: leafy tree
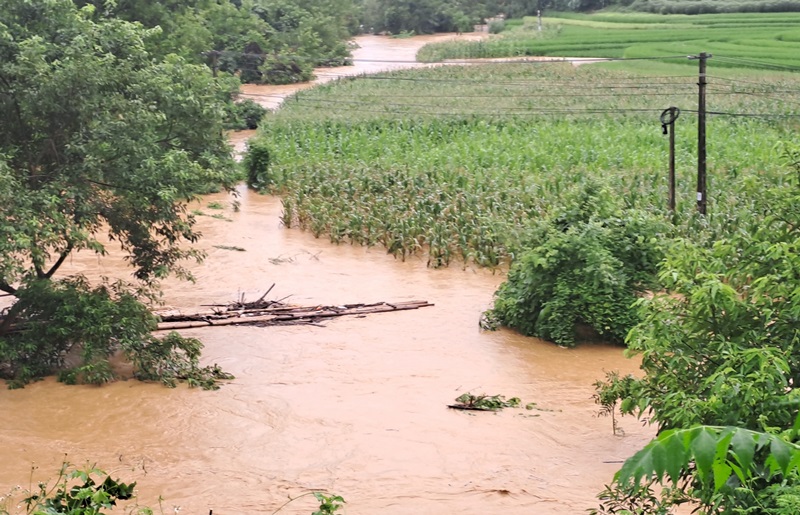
238	37
720	346
98	138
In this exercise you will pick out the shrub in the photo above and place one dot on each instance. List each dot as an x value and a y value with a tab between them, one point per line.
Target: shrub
73	328
246	114
720	348
497	26
279	69
586	268
256	163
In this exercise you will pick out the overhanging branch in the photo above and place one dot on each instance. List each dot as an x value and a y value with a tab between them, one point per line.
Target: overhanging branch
66	252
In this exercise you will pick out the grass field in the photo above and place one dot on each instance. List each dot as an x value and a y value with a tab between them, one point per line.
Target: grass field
746	40
456	163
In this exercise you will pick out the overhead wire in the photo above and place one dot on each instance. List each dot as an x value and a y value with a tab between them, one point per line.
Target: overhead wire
402	109
670	85
751	62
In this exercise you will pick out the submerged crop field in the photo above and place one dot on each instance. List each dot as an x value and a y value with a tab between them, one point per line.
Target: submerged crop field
457	163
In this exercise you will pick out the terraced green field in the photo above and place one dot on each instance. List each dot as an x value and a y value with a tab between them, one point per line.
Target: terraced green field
743	40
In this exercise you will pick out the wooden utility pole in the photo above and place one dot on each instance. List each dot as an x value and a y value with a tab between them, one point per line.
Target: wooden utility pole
668	118
702	199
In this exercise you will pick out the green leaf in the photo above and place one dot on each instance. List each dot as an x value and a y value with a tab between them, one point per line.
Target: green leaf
782	454
743	448
704	448
676	454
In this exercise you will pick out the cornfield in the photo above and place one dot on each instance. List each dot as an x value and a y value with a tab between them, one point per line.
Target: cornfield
456	163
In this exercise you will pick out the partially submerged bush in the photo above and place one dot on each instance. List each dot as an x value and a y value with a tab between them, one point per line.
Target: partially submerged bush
256	163
70	327
245	114
586	267
281	69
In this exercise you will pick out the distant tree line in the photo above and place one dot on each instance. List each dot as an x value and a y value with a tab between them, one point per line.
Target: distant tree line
263	41
280	41
428	16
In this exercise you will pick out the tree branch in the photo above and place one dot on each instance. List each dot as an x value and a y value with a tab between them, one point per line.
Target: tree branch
66	252
4	286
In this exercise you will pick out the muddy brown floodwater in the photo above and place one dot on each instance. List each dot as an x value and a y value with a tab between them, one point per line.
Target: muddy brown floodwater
357	407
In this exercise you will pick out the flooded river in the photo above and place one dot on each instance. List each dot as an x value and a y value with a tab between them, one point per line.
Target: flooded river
357	407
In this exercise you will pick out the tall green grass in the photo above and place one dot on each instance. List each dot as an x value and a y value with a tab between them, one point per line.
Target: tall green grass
456	163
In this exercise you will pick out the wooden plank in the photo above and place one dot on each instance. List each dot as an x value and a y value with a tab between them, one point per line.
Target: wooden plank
282	315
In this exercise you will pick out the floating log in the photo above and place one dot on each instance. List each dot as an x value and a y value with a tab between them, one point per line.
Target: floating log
276	313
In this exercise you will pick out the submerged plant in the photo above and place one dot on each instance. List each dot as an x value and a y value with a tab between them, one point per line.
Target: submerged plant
485	402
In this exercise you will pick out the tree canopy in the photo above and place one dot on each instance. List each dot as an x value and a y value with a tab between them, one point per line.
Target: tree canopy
98	138
263	41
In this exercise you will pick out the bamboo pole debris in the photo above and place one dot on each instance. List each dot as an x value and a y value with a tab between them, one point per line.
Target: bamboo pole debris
276	313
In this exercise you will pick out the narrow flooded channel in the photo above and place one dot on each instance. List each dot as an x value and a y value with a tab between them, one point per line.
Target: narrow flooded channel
357	407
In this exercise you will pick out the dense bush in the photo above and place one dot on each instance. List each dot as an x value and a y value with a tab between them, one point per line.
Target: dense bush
497	26
281	69
246	114
256	163
70	327
586	267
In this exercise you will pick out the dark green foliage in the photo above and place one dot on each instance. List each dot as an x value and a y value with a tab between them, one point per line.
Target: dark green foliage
123	156
251	113
172	359
486	402
246	114
585	268
497	26
256	163
283	69
427	16
77	492
70	326
59	317
237	37
720	346
99	140
328	504
91	491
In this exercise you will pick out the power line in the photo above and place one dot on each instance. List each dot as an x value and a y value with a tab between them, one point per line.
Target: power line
320	104
527	96
403	108
746	115
755	62
736	81
530	59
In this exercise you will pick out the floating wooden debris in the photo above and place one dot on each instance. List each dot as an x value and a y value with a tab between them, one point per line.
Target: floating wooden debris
265	313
